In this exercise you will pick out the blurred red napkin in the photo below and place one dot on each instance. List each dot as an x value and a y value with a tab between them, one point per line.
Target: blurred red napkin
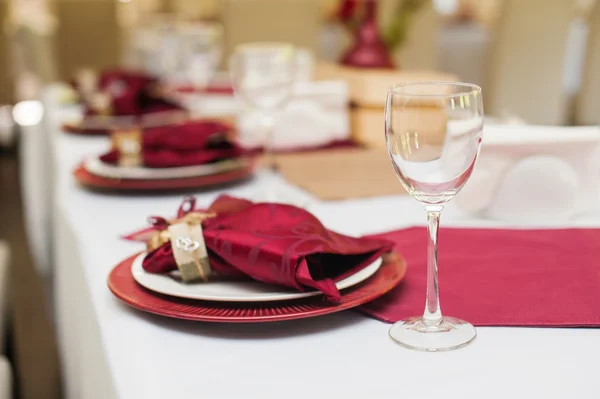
497	277
132	93
276	244
184	144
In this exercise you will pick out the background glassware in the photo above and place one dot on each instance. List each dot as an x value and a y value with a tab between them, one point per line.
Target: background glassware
201	51
263	75
433	133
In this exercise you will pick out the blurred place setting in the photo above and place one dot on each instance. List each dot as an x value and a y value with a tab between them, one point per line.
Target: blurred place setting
266	198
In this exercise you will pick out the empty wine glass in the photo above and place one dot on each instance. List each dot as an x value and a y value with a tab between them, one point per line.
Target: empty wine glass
263	75
433	132
202	48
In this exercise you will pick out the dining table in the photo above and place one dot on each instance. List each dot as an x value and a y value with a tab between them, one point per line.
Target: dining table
110	350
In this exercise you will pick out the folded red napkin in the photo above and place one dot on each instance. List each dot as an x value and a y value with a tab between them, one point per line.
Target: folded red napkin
186	136
185	144
497	277
273	243
131	93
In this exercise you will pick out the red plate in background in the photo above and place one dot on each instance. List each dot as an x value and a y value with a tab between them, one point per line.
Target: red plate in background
89	180
104	125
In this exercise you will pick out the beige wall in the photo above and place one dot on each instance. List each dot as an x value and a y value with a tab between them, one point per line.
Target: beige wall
294	21
420	51
88	35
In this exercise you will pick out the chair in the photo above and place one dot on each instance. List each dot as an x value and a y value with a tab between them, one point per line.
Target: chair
527	61
588	101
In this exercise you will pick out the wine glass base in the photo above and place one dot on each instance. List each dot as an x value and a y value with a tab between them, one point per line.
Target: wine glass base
450	334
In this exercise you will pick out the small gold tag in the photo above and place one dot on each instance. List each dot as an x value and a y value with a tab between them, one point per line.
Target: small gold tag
189	251
129	145
87	81
100	102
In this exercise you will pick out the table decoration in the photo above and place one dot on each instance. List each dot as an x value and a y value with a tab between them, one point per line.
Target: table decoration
368	50
272	243
371	48
503	277
120	99
433	165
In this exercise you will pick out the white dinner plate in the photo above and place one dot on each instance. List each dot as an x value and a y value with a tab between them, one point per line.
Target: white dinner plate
233	291
96	167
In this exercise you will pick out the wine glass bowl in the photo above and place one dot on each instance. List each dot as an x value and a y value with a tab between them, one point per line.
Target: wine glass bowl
202	51
433	134
263	76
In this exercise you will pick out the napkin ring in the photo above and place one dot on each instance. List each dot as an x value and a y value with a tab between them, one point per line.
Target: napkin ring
100	102
189	251
199	268
187	243
129	145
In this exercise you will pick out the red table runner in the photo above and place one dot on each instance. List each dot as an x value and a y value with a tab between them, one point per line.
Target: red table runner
497	277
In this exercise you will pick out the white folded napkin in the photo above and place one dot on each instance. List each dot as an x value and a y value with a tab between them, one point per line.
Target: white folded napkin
540	174
317	115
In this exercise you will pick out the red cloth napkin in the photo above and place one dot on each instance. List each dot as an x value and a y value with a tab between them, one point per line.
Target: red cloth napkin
190	135
276	244
497	277
132	94
184	144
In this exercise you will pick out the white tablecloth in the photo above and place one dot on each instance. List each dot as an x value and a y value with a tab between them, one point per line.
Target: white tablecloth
110	350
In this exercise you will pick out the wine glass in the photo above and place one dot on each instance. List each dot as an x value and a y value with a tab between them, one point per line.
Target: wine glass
263	75
433	132
202	50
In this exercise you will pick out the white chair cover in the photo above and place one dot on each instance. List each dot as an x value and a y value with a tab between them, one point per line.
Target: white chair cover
588	101
528	60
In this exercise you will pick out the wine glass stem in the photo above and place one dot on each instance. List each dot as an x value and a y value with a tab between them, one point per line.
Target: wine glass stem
433	314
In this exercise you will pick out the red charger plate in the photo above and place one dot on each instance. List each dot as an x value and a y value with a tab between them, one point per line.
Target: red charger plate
123	286
90	180
220	90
